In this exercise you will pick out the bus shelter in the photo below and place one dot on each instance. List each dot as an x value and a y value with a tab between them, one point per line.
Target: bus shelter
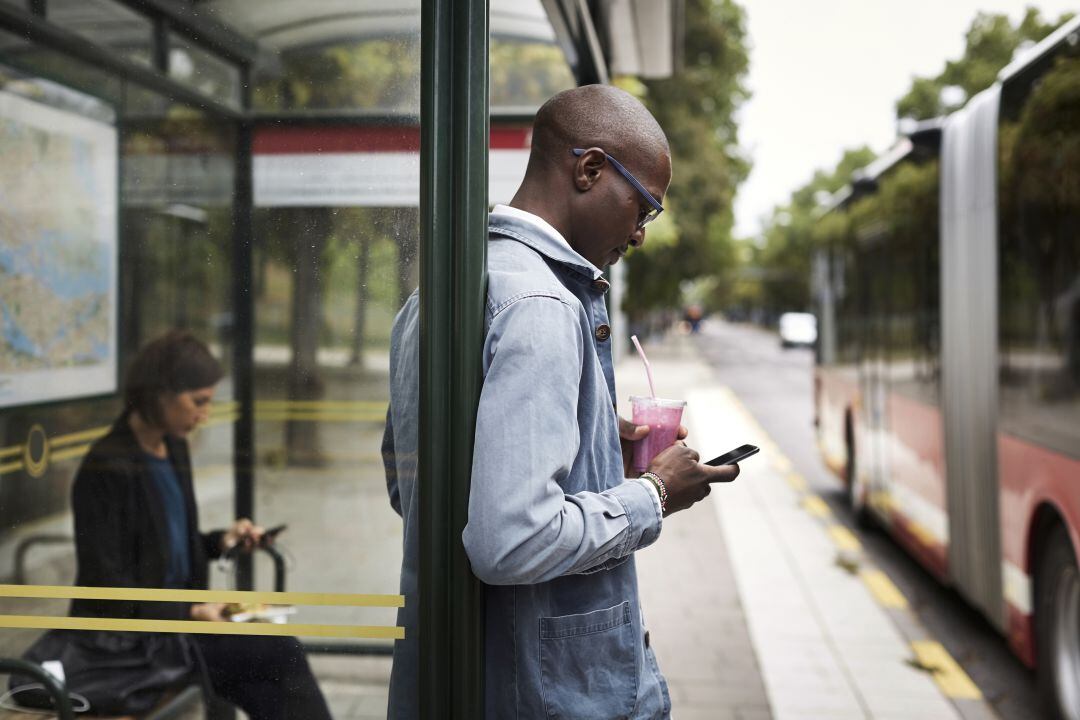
276	177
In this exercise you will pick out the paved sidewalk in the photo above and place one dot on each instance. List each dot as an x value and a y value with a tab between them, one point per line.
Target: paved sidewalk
689	596
756	602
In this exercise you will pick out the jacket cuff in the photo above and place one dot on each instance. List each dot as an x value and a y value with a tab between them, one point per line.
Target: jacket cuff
639	499
654	495
212	544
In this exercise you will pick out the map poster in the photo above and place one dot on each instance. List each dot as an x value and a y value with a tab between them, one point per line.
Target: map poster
58	254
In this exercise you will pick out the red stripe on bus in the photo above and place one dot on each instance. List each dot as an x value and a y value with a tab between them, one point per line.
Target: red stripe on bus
1030	476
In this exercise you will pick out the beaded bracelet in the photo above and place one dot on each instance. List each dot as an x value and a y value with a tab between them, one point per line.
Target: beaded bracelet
661	489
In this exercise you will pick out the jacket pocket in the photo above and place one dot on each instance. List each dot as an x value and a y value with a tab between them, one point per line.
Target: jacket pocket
588	665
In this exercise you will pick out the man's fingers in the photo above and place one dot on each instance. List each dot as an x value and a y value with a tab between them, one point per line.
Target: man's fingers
723	473
695	455
682	433
630	431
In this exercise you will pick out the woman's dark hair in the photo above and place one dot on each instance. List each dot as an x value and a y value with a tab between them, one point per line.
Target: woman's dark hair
176	362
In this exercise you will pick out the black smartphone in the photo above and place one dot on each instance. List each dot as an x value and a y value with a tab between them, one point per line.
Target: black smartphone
730	458
272	533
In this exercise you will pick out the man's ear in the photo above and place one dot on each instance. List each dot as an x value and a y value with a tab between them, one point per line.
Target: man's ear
588	168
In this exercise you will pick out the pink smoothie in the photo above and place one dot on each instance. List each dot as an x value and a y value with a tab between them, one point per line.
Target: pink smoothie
663	416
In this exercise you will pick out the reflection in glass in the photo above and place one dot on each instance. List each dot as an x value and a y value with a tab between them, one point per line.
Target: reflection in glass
525	74
136	525
373	74
197	68
108	23
171	205
1039	180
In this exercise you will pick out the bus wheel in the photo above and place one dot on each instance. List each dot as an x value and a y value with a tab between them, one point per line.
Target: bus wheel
856	498
1057	623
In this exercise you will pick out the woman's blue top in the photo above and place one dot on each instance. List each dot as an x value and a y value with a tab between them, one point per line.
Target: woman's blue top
178	568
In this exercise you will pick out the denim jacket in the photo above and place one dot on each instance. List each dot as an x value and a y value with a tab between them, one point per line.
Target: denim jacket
553	523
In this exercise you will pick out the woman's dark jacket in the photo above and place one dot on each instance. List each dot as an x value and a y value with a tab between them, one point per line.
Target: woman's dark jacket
121	538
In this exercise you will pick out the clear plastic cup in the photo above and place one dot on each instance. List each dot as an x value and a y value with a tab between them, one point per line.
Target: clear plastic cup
663	418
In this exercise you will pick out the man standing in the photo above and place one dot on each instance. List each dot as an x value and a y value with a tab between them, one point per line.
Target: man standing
553	519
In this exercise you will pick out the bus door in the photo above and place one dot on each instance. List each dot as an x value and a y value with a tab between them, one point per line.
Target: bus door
871	451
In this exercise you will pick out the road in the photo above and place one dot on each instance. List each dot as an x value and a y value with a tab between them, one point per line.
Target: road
777	387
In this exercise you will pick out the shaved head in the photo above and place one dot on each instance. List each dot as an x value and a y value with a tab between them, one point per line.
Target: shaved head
595	116
583	195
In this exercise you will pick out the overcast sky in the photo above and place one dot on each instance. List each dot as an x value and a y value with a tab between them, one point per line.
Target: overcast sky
825	75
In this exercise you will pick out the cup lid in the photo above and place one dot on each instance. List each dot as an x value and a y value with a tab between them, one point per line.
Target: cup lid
661	402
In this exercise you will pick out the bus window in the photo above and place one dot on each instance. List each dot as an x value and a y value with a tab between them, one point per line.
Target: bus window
1040	261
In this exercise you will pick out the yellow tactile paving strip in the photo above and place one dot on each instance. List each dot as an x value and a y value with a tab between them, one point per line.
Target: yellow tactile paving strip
929	655
949	676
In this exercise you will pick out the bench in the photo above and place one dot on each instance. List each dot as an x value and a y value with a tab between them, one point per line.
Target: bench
172	706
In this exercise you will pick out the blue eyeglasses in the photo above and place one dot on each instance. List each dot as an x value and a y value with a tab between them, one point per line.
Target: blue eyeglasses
646	216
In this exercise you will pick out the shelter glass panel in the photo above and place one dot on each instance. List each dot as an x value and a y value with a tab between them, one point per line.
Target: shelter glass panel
336	173
194	66
117	227
121	227
108	23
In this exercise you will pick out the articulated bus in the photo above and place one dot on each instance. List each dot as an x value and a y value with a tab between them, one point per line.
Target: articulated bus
947	384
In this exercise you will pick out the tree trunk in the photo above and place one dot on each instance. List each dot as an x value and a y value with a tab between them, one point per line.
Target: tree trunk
310	229
362	263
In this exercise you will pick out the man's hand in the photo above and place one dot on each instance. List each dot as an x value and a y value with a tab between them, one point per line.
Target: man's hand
687	480
629	433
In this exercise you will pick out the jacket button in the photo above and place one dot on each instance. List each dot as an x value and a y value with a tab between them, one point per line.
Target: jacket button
601	285
646	638
603	332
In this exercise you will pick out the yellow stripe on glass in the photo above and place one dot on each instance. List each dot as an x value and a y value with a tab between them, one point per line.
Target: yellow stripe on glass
72	592
322	404
12	451
331	411
79	437
64	592
42	622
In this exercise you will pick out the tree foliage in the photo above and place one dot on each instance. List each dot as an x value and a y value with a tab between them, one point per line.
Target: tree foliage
696	107
992	41
781	266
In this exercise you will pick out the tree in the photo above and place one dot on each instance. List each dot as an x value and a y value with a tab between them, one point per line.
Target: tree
782	265
696	107
992	41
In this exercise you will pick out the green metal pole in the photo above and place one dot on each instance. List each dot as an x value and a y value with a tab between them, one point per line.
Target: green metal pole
453	219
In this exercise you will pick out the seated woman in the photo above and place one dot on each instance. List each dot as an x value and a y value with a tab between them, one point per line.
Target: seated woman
136	526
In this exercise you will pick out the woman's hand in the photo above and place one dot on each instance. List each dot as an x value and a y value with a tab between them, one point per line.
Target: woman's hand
208	612
629	433
244	535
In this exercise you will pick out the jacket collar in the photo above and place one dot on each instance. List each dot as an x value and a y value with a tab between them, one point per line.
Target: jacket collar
535	232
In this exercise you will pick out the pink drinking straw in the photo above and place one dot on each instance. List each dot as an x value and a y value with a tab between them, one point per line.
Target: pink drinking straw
648	368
